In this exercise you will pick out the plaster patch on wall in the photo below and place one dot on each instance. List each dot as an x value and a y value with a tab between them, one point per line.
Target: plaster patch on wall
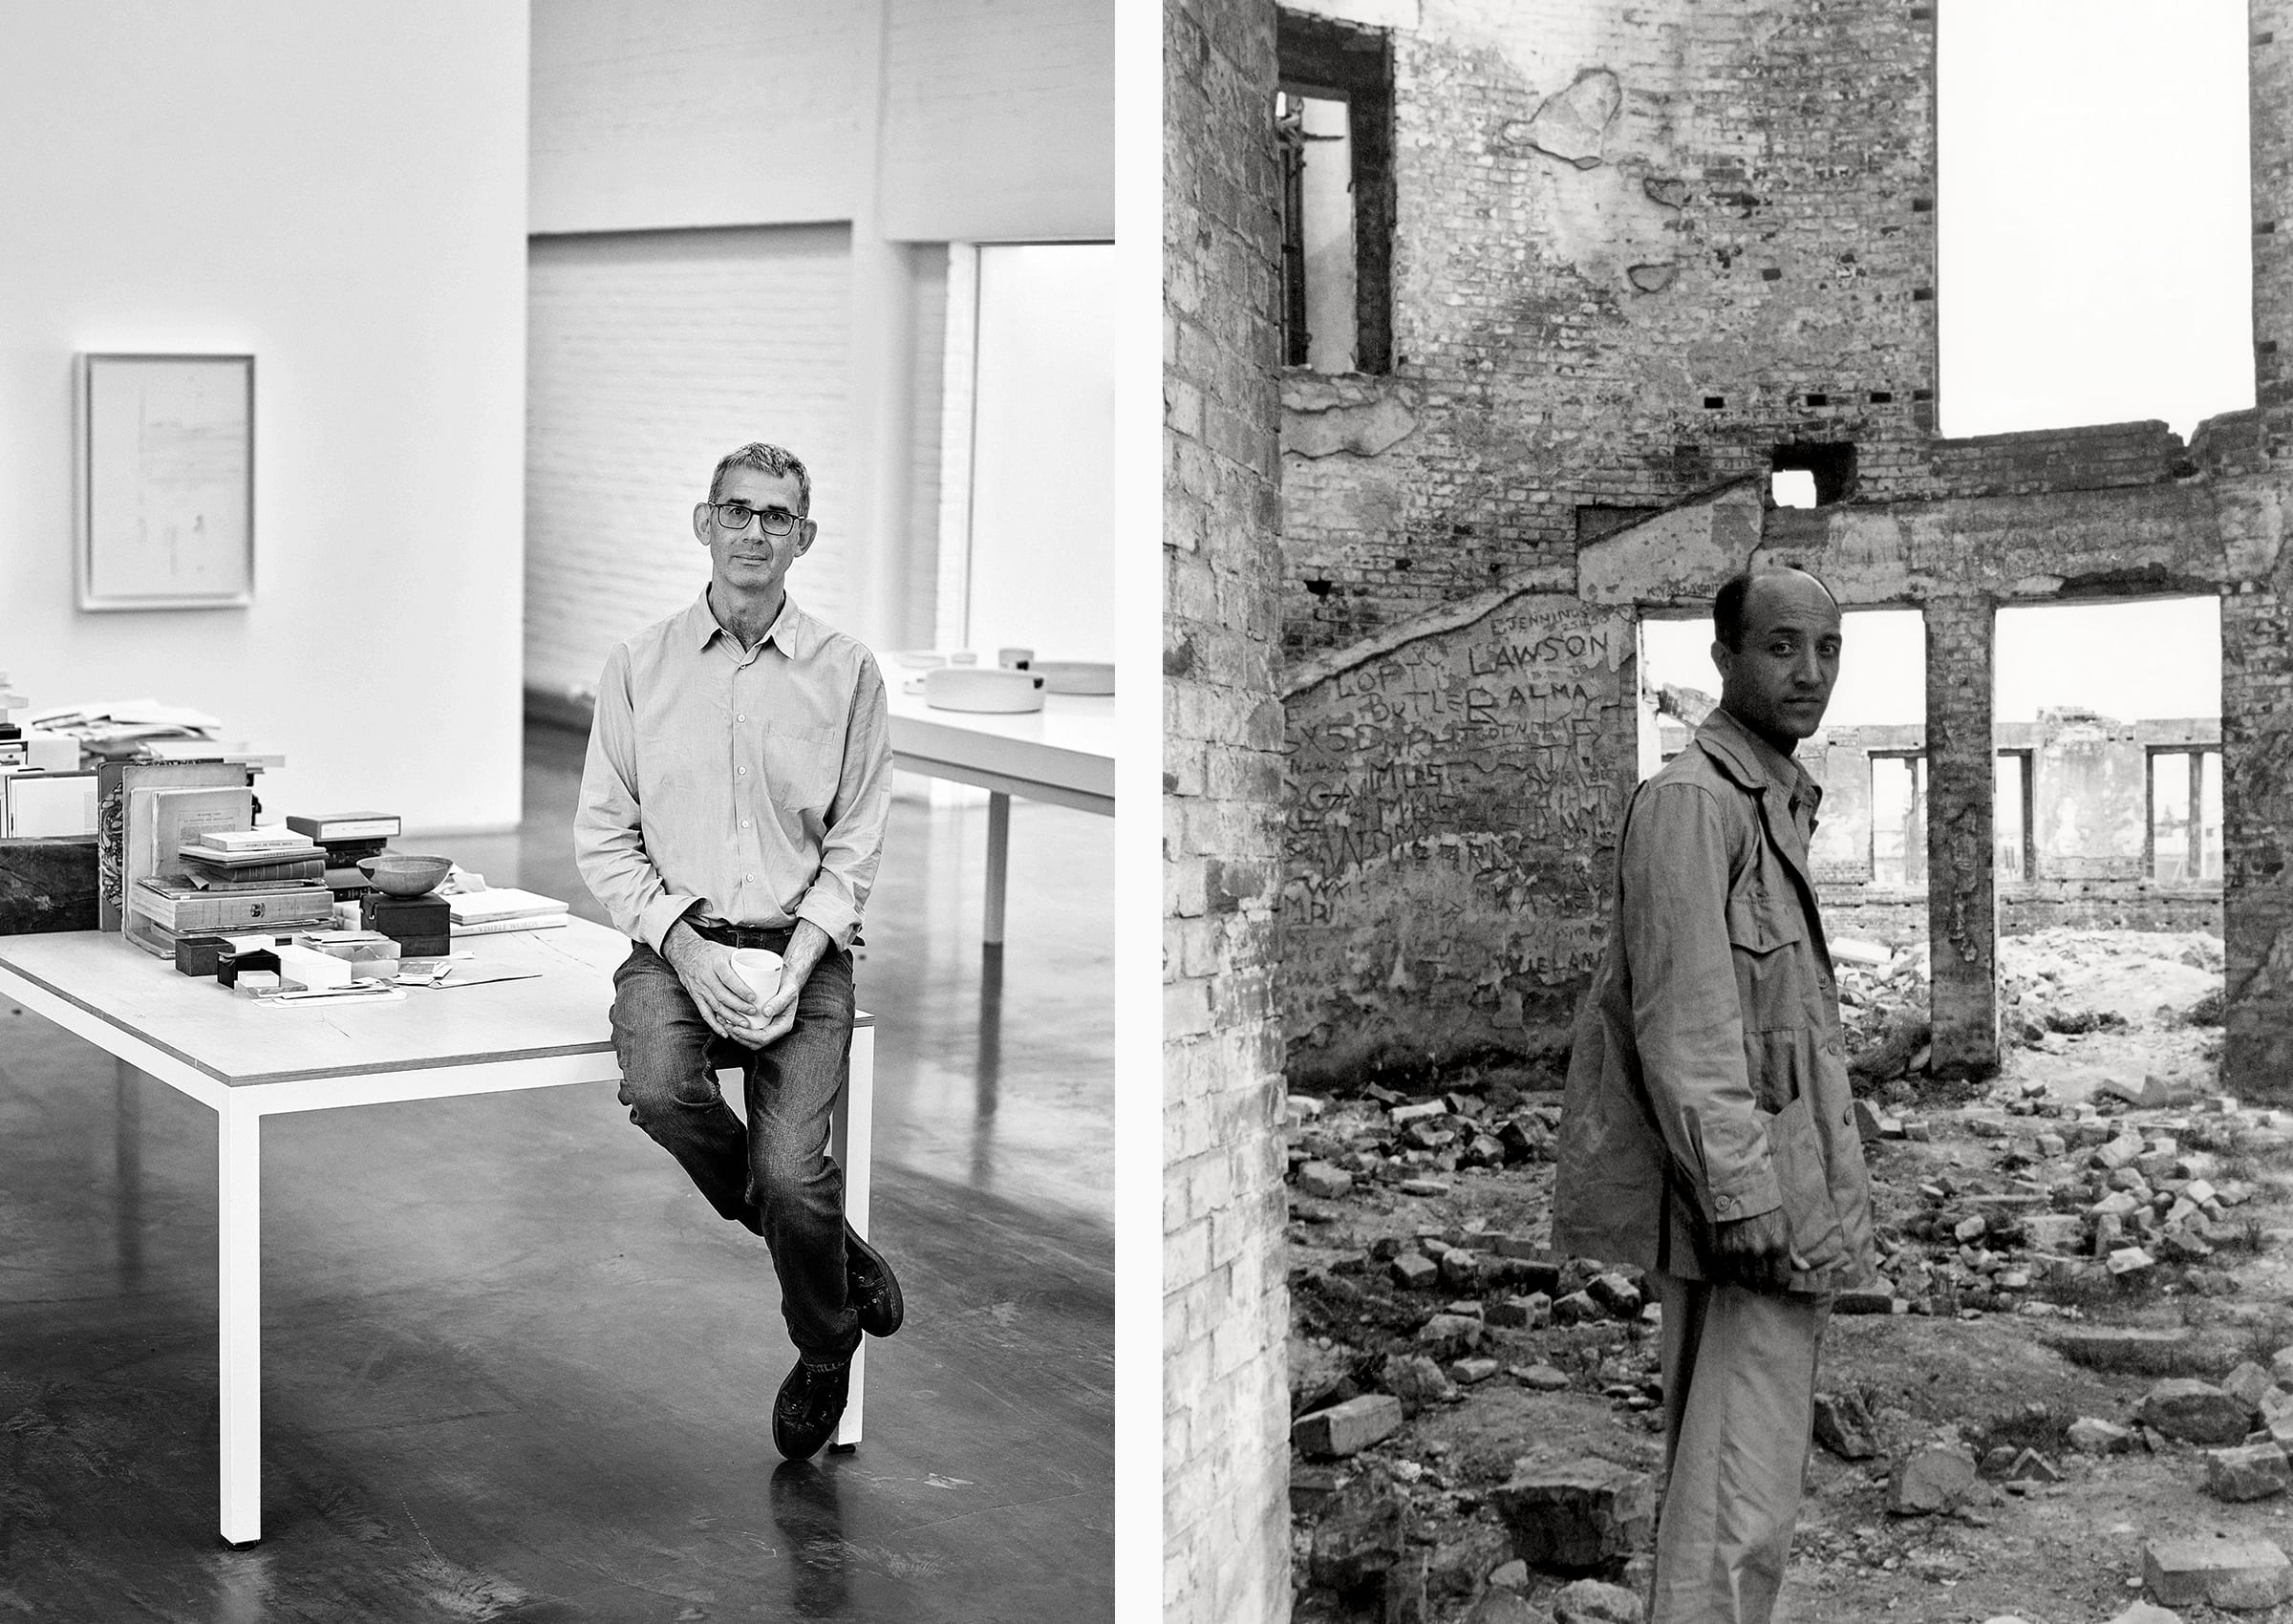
1573	126
1682	553
1652	278
1365	429
1601	222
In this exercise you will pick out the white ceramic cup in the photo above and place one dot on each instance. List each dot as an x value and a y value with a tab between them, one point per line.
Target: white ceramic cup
760	969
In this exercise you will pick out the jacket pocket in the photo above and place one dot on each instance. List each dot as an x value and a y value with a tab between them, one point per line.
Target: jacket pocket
1795	1150
1766	937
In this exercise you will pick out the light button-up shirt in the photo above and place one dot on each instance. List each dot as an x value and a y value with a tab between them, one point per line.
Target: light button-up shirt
747	787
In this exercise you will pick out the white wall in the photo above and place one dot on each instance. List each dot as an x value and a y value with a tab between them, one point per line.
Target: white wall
654	353
1043	463
339	191
999	114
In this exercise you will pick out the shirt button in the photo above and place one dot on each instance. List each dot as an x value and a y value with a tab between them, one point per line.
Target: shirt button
1837	1046
739	719
744	823
742	771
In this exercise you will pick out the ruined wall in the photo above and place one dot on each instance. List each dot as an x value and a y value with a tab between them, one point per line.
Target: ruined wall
1226	1521
1454	798
2257	630
1635	248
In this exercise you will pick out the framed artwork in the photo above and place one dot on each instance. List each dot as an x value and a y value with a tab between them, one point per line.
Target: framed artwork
165	469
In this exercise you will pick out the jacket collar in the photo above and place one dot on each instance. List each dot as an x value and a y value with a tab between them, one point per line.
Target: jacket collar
1753	763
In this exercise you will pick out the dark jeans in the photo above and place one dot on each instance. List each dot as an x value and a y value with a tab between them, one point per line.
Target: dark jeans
773	1174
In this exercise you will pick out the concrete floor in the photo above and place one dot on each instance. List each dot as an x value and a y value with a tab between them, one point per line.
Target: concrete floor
516	1369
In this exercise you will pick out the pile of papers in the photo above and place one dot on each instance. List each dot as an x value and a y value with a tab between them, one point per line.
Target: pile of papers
504	908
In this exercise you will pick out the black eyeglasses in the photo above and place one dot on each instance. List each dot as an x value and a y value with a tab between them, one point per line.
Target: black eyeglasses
735	515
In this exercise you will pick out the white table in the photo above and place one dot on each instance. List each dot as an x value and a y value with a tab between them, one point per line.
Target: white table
1064	754
246	1061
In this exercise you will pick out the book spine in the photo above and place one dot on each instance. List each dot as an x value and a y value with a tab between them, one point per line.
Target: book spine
230	912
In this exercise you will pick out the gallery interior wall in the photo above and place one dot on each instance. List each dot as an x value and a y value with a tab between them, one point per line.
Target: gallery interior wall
903	126
340	193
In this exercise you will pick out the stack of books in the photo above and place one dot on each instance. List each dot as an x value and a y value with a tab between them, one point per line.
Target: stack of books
227	880
504	908
347	839
250	860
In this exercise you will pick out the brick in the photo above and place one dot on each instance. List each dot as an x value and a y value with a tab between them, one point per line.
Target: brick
2244	1574
1575	1516
1347	1429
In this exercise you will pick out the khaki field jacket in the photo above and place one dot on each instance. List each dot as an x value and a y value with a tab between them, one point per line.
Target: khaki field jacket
1708	1077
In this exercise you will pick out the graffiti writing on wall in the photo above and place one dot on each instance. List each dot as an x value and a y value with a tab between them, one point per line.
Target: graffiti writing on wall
1453	805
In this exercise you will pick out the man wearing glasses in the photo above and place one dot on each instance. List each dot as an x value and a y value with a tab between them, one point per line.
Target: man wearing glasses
737	789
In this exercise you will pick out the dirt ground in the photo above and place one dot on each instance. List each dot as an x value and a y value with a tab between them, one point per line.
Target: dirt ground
2110	1036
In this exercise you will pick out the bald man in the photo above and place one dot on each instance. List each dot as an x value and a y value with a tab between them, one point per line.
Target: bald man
1709	1137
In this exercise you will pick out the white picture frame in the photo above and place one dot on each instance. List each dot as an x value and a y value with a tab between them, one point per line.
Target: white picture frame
164	462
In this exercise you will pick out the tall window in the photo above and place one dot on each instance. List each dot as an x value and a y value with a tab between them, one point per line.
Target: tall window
1898	820
2185	816
2010	815
1334	117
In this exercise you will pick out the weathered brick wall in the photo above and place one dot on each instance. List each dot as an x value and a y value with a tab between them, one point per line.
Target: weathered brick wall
1453	804
1225	1302
1750	224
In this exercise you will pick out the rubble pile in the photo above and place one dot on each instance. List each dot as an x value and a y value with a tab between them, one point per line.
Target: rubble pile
1477	1421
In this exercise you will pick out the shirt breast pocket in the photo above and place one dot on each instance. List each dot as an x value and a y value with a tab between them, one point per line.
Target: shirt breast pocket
802	765
1766	936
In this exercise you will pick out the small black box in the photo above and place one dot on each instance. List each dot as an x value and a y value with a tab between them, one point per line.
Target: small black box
423	947
198	955
407	919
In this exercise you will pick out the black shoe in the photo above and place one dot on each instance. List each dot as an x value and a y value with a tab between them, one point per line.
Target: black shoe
870	1286
809	1406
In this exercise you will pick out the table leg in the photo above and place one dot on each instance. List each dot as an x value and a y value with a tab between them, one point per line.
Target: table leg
855	1153
239	1198
998	853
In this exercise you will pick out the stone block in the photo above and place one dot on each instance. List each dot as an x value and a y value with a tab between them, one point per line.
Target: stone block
1348	1428
2239	1575
1577	1515
2249	1471
1323	1181
1460	1269
1465	1373
2053	1231
1459	1564
2147	1612
1504	1606
2130	1260
1447	1335
2053	1144
1589	1601
1616	1292
1935	1477
2090	1435
1415	1377
1521	1314
1414	1271
1843	1426
1543	1378
2194	1412
2031	1466
1422	1111
1312	1488
1359	1541
1861	1301
2127	1350
2250	1382
2118	1152
1576	1308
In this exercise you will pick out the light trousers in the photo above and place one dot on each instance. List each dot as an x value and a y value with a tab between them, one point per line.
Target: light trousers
1739	1412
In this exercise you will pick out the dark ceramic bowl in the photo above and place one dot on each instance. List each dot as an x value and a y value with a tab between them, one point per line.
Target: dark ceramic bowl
404	873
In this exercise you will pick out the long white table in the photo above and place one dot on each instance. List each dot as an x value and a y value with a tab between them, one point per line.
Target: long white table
1064	754
246	1061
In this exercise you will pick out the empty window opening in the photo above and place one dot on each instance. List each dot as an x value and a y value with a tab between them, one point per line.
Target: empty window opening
2041	331
1812	475
2185	816
1334	123
2010	815
1898	821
